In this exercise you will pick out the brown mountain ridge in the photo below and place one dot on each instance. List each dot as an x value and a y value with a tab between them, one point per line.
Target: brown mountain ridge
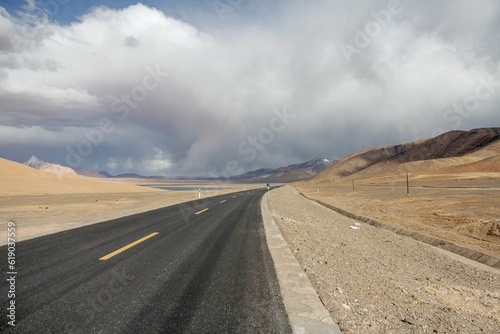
477	150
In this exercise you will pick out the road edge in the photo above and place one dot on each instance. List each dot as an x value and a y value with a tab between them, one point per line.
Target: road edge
72	226
306	311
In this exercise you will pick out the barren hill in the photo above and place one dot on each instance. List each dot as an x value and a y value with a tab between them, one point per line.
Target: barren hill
452	152
88	173
451	144
364	159
486	165
19	179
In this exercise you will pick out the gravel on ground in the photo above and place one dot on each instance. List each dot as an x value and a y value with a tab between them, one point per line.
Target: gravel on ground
374	281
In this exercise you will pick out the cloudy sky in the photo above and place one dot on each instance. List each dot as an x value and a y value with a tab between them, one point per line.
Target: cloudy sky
220	87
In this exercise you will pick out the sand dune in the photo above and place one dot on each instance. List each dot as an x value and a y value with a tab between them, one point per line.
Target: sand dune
18	179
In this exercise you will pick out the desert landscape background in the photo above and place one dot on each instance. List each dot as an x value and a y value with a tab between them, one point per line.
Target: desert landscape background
53	199
376	123
454	182
371	280
454	189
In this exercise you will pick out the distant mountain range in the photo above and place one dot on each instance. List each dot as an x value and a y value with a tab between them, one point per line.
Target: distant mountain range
127	175
89	173
296	172
138	176
477	150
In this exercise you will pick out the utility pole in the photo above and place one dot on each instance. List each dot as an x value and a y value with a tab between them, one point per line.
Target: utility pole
407	185
352	184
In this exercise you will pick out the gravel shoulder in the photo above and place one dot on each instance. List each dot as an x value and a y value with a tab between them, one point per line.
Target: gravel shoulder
375	281
465	212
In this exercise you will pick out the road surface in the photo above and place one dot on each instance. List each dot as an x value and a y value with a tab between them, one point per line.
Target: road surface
199	267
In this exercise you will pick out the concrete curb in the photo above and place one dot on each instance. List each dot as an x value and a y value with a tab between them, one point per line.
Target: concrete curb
471	254
306	312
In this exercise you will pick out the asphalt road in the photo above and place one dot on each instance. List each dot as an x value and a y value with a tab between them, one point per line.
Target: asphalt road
199	267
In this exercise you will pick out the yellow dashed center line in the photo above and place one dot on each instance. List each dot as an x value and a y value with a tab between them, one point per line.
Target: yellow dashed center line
197	213
223	201
124	248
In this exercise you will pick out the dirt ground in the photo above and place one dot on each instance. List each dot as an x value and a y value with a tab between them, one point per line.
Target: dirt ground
375	281
465	212
39	215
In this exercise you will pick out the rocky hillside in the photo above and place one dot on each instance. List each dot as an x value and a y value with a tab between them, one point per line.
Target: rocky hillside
451	144
363	159
454	151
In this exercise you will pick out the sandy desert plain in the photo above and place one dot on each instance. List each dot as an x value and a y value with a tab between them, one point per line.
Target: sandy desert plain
42	203
463	209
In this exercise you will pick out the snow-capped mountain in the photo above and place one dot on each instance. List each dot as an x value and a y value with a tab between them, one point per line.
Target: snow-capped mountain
39	164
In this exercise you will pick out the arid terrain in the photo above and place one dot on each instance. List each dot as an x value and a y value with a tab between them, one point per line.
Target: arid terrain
41	203
475	151
465	212
454	182
44	214
370	279
374	281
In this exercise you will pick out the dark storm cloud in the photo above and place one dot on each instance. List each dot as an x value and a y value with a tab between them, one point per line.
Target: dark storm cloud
258	84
